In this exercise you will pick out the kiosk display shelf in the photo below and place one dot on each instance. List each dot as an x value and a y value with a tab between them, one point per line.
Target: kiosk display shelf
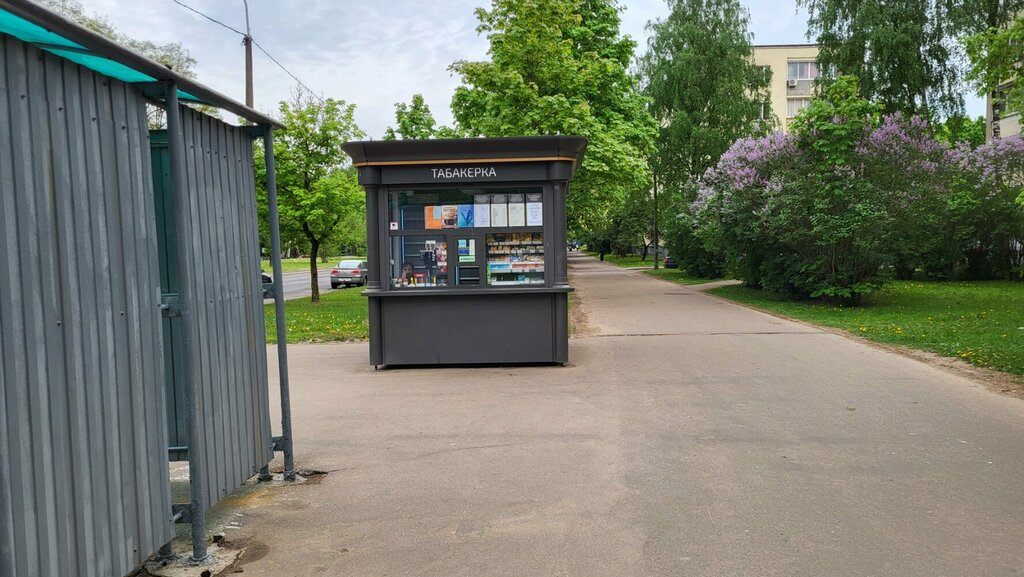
515	259
470	233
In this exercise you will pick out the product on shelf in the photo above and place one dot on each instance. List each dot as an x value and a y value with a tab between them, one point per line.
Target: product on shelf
515	259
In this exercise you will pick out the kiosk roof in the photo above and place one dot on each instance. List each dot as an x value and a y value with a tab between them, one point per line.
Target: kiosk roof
467	150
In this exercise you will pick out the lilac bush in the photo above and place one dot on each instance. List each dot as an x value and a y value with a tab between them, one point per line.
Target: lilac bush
850	194
915	173
990	196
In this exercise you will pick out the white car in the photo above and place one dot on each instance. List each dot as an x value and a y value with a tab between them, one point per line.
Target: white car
349	273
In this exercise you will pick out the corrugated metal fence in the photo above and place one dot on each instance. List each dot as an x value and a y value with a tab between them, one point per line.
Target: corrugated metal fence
84	483
230	335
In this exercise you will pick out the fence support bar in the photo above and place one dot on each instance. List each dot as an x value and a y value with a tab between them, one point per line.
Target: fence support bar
182	221
282	332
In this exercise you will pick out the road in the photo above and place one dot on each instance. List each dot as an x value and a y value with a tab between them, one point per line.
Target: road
296	284
688	436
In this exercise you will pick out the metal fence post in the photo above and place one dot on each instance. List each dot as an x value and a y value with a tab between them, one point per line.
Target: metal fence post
282	331
182	221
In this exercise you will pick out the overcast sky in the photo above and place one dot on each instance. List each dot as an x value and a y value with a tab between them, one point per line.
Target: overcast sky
371	54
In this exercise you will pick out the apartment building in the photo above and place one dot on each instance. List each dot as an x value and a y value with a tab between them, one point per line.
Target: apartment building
794	69
999	123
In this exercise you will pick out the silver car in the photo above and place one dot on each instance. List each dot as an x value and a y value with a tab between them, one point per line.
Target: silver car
349	273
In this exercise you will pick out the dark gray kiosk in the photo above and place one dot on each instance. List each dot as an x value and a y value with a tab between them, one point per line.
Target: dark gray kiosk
467	248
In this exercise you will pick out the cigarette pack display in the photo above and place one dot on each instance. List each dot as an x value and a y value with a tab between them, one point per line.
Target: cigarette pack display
515	259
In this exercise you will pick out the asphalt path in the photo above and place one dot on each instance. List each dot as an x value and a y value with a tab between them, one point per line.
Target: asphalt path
687	436
297	284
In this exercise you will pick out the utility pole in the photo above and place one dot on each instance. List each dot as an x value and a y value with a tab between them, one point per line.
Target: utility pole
655	220
247	41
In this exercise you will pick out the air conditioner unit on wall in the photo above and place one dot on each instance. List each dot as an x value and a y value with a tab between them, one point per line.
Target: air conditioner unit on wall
792	82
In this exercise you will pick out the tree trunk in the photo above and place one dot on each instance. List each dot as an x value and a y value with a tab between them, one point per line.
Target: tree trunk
314	282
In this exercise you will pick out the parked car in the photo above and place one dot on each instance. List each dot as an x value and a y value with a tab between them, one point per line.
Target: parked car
349	273
268	285
670	262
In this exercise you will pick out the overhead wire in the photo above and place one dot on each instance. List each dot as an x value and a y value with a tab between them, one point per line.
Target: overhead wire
310	91
214	20
257	44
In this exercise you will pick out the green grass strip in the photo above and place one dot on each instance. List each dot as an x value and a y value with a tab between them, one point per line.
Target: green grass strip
341	315
628	261
678	276
979	322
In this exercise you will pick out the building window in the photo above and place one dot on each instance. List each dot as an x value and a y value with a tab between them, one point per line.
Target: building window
999	102
803	70
795	105
998	107
766	110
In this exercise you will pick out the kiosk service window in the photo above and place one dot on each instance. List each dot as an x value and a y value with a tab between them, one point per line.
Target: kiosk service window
466	237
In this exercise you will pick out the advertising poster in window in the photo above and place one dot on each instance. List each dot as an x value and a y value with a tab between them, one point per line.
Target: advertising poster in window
499	210
482	210
449	216
534	210
432	217
465	216
516	210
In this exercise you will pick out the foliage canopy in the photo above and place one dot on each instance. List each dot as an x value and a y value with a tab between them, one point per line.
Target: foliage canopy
704	88
901	51
560	67
415	121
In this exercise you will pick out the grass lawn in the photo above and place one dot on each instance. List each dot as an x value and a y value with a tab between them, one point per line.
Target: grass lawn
980	322
677	275
628	261
340	316
302	263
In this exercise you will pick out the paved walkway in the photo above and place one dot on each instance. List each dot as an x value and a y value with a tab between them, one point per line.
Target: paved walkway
689	436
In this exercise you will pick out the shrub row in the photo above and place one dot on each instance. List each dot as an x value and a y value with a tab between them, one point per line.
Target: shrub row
851	197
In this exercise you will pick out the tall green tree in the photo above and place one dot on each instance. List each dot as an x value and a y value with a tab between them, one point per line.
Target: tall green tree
316	188
415	121
903	52
706	91
703	85
560	67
